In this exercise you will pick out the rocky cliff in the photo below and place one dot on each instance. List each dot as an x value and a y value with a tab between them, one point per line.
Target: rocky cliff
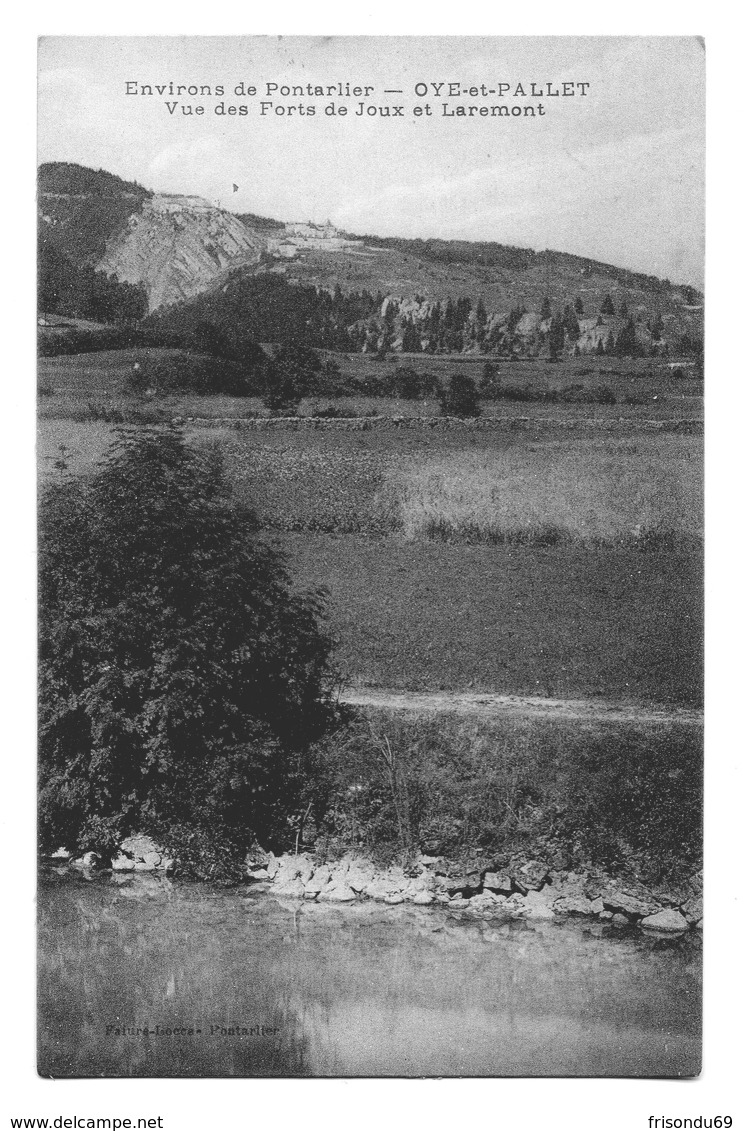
177	245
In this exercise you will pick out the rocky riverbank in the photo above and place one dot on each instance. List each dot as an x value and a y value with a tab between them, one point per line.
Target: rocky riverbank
525	889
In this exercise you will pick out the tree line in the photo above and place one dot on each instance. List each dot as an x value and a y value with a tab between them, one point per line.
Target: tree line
227	321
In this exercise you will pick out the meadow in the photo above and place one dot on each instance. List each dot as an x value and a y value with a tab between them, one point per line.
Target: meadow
94	386
459	559
556	491
554	556
462	485
558	621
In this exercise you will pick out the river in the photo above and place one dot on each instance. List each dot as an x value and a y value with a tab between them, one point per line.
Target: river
258	986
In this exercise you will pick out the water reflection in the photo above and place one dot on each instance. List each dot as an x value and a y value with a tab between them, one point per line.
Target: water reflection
278	988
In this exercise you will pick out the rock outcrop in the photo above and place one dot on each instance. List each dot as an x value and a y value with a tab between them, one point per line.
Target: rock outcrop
177	245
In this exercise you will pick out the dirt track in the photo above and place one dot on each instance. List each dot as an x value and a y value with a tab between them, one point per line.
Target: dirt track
488	706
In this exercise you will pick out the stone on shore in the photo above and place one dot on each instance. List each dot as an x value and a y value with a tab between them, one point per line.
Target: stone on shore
538	905
574	905
458	902
531	876
499	882
319	882
299	867
337	892
514	905
464	885
487	903
696	883
359	876
635	908
416	884
693	909
147	856
520	890
293	888
668	921
375	889
88	860
271	866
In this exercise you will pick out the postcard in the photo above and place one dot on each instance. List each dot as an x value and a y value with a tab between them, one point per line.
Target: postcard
370	461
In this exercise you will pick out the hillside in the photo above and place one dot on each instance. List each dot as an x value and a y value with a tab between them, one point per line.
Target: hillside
177	248
80	209
504	277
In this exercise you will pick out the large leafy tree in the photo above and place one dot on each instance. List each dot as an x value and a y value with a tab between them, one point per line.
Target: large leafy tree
180	677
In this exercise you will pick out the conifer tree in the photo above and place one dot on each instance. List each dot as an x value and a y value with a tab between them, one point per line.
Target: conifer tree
627	344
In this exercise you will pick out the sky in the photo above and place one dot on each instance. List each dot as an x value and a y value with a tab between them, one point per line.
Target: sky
616	174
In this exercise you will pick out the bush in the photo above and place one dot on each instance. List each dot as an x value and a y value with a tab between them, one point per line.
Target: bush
180	678
518	393
202	375
290	376
490	382
408	384
460	399
578	394
64	340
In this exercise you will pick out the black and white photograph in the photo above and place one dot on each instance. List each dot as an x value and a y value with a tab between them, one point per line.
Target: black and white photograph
370	463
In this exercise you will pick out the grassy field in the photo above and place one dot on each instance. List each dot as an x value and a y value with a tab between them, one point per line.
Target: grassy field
456	484
72	386
584	490
551	561
556	621
460	485
621	619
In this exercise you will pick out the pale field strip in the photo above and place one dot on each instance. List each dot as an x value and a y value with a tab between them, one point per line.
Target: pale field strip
489	706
